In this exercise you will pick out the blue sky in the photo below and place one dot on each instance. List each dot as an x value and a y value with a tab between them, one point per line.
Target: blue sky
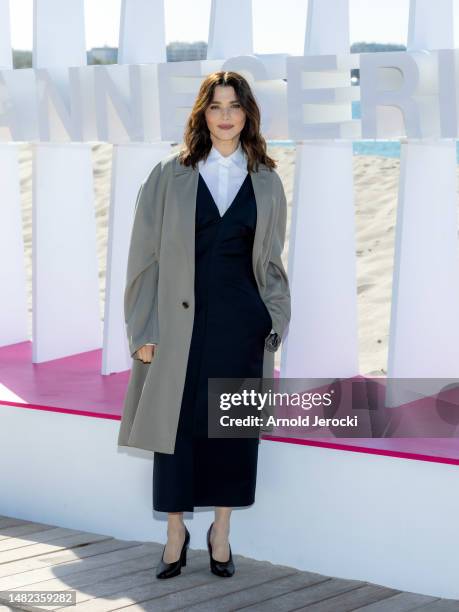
279	25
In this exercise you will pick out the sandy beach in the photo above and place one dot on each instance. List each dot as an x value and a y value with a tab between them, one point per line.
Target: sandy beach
375	188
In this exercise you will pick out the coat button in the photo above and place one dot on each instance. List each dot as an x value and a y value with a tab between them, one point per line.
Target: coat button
185	304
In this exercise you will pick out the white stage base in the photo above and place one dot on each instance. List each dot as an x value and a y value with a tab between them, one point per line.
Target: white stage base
344	514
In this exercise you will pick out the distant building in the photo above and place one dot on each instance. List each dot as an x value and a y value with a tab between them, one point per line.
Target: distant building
183	51
103	55
175	52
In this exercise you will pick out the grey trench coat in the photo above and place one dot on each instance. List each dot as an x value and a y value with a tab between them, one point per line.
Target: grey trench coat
159	293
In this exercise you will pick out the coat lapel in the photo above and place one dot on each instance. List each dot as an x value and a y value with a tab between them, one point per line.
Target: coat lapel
186	187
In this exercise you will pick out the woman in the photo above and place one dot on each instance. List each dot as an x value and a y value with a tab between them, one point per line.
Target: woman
241	307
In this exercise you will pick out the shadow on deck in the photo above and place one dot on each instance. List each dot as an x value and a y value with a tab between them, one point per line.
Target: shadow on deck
109	574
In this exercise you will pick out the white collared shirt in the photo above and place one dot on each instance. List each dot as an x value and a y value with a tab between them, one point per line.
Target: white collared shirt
224	175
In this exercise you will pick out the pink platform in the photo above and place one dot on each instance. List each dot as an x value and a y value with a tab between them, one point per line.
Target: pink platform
74	385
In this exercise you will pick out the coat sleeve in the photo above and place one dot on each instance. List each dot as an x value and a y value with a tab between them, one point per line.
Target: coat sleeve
141	290
277	293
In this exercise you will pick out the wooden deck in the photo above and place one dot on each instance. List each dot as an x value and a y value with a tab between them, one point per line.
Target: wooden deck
109	574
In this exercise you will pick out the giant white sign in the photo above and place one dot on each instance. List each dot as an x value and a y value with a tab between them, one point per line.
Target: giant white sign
402	94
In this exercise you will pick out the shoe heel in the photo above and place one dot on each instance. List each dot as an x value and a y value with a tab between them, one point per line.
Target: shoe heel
168	570
220	568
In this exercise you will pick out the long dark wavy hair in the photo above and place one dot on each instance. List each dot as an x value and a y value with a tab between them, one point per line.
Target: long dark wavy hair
197	142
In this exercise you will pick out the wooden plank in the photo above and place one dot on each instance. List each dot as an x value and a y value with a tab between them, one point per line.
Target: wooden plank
92	566
109	574
441	605
403	602
72	555
19	530
107	579
257	593
9	521
196	584
352	600
114	588
62	543
25	607
329	588
37	537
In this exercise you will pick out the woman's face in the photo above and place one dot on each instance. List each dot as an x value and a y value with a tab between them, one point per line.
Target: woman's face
225	116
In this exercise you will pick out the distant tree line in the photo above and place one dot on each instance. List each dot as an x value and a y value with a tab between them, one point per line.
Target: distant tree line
372	47
180	51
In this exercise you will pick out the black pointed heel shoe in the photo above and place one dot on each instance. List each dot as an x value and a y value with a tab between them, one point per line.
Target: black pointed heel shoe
169	570
225	569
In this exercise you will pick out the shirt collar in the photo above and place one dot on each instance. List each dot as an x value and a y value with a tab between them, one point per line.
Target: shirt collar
238	157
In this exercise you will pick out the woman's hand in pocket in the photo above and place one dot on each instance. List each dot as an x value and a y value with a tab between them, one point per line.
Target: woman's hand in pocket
146	353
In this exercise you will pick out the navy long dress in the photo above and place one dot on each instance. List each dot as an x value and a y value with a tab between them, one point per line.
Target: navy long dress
230	325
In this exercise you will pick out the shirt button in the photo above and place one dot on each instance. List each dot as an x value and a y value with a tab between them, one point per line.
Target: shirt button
185	304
